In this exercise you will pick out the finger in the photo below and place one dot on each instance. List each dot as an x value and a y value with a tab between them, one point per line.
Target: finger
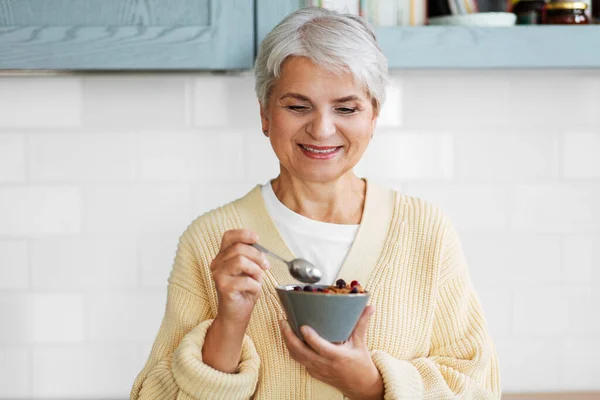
240	266
246	284
296	347
238	235
360	330
247	251
232	285
318	344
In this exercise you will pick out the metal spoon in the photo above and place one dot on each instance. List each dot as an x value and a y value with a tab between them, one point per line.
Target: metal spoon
299	268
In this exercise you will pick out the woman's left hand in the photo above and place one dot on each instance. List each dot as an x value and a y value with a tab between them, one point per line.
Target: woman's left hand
347	367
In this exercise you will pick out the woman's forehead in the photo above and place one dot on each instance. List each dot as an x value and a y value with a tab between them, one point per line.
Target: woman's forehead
300	74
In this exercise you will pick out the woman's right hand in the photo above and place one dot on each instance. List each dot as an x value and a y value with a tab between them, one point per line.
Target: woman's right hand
237	271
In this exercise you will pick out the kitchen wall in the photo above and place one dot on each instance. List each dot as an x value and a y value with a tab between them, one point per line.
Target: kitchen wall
100	174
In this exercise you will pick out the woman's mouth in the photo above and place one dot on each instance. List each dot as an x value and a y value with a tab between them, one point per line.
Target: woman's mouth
320	153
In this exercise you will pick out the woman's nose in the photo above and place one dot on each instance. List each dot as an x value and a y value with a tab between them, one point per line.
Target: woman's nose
322	126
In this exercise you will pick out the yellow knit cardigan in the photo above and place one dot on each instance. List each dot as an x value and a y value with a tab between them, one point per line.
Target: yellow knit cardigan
428	335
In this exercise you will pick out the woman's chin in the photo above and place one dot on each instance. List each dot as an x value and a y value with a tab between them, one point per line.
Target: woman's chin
321	175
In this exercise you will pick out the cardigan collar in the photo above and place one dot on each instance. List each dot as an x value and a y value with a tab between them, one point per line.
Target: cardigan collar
364	252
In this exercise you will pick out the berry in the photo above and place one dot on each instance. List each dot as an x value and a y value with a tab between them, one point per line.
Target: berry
314	290
297	288
354	290
354	283
340	283
308	288
320	290
326	291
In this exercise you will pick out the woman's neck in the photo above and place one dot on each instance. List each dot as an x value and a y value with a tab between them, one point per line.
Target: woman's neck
338	202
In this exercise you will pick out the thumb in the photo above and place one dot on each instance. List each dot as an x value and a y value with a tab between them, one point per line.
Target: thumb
360	331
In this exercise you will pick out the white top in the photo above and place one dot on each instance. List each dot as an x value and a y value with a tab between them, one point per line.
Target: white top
323	244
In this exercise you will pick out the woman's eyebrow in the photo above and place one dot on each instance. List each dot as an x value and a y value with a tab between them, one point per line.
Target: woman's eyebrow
347	98
295	96
305	98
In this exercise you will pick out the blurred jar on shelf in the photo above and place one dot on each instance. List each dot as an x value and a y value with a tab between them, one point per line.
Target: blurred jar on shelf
529	12
566	13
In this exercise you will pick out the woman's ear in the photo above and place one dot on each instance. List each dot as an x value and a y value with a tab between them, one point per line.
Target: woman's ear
264	118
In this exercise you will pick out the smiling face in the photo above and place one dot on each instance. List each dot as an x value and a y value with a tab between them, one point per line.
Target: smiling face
319	122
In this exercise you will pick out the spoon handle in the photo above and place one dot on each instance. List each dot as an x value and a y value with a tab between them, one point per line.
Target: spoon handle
258	246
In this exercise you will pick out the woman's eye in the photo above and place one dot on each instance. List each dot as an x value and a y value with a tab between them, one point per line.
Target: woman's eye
297	108
346	110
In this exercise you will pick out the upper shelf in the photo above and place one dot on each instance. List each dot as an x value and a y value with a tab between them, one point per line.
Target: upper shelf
511	47
460	47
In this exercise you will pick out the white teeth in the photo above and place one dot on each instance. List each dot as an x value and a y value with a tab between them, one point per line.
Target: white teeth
319	151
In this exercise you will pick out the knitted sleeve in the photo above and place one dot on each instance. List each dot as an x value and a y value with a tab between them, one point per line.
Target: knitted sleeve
462	361
174	369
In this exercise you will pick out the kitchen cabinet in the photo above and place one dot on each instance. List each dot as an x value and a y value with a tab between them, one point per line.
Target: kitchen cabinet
126	34
121	35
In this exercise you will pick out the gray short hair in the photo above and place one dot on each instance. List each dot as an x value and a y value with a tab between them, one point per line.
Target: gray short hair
337	42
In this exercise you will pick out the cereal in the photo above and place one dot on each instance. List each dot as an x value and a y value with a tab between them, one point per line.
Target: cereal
340	287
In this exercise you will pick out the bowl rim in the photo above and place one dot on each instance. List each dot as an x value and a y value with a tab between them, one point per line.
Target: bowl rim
283	288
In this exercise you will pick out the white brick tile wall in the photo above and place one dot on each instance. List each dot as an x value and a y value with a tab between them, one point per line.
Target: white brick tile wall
556	98
580	364
49	102
57	318
410	156
132	102
226	101
84	371
497	307
118	316
559	208
506	156
541	311
191	157
581	262
430	98
260	162
157	254
100	175
144	208
516	259
76	157
530	365
581	155
210	195
15	372
584	306
39	210
211	108
14	265
12	158
391	113
84	263
470	207
15	309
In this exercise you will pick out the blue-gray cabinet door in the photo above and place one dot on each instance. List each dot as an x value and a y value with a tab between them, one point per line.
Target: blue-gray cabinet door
126	34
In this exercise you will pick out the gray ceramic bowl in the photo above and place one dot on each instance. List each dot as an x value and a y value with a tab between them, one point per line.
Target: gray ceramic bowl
333	316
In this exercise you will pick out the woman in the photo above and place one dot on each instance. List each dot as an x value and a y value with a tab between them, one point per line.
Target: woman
320	81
